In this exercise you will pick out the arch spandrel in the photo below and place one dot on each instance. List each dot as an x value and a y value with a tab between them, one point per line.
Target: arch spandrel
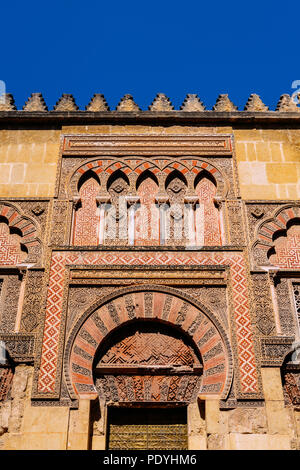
266	238
166	308
28	240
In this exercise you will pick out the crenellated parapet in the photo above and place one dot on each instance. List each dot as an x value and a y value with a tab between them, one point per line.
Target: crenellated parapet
160	104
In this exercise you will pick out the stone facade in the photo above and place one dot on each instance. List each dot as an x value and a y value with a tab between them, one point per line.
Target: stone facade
149	259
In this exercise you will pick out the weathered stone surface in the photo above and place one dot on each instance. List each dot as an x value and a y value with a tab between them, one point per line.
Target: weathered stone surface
223	104
255	104
217	442
259	442
287	105
98	103
161	103
66	103
247	420
7	102
192	103
35	102
127	104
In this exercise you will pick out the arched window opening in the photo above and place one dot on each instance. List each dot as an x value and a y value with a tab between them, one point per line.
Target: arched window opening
146	220
12	251
176	217
116	216
286	250
208	232
87	216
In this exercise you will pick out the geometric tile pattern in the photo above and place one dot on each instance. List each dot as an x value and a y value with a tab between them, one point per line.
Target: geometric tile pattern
246	358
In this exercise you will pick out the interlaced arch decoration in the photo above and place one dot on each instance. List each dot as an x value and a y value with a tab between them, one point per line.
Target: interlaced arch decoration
26	228
277	234
133	166
165	305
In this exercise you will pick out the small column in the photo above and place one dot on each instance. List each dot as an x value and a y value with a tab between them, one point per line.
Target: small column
79	434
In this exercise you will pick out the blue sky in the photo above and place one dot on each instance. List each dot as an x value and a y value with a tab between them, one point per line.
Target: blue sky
143	47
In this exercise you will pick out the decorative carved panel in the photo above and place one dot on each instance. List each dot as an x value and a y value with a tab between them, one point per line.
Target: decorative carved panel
263	306
6	376
291	387
10	293
155	361
146	145
296	291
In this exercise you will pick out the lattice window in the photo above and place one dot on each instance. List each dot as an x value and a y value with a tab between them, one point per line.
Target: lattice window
296	289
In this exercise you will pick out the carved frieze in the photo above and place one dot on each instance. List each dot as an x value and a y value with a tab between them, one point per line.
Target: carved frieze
275	349
146	144
235	222
19	346
286	306
60	227
9	302
263	307
32	306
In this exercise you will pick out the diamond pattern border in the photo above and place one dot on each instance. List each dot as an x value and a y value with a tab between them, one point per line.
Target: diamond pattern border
49	358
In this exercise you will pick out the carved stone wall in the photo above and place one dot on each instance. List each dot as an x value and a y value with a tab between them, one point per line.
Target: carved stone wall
129	308
264	313
10	293
286	307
